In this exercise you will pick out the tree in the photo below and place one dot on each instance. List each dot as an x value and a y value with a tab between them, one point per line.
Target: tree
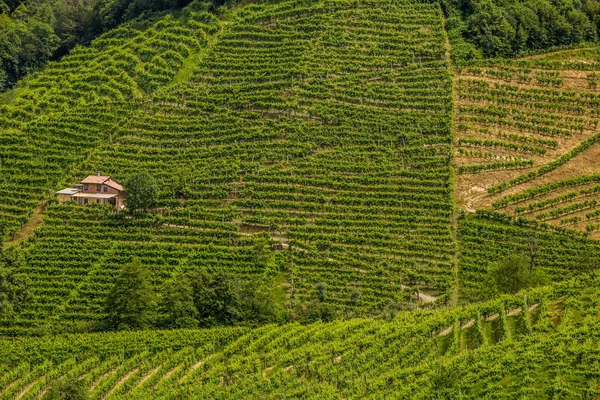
131	302
259	305
14	292
512	275
217	298
141	191
321	288
177	303
66	389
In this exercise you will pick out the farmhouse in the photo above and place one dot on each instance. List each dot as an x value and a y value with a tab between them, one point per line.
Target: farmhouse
94	189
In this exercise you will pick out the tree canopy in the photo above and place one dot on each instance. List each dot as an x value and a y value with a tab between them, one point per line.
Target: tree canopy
512	275
131	303
491	28
141	192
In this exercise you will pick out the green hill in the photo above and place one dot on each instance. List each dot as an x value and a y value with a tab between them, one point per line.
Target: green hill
492	349
324	126
332	153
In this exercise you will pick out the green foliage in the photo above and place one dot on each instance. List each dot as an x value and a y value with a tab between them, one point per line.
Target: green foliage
15	292
369	358
131	303
177	303
141	192
507	29
66	389
514	274
15	287
321	289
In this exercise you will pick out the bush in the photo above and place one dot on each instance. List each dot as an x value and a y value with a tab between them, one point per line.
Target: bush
66	389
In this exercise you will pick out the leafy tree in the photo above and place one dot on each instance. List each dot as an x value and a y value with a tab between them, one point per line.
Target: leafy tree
217	298
66	389
177	303
131	302
141	192
14	292
321	288
513	274
259	305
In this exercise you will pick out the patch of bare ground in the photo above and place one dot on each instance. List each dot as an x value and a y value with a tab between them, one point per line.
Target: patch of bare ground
195	366
471	322
26	230
586	163
26	389
9	386
469	186
147	376
101	378
471	189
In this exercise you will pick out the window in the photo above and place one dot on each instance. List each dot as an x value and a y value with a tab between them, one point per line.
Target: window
98	188
105	188
85	187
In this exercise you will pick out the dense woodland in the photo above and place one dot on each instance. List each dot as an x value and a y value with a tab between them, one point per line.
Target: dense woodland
491	28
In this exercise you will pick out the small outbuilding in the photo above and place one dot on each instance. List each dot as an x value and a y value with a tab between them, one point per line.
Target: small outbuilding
97	189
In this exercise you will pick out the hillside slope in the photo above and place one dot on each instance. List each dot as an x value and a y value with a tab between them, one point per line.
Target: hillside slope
482	350
322	125
524	125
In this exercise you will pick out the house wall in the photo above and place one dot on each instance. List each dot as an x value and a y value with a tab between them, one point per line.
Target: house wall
93	188
63	198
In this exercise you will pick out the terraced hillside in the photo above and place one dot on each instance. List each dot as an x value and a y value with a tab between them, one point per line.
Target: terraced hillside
527	138
531	344
323	125
51	123
488	237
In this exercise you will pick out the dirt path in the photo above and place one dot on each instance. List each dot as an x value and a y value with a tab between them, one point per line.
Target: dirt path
148	375
453	76
471	322
538	56
10	386
425	298
27	230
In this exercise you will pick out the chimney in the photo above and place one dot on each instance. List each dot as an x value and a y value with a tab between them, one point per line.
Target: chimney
98	172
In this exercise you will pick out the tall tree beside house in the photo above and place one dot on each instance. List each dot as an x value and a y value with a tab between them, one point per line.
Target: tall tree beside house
131	303
141	192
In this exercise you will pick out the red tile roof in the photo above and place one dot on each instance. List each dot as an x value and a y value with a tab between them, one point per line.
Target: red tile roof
107	180
95	179
113	184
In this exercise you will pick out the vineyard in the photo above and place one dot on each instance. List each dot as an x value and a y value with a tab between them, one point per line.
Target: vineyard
333	140
505	348
523	126
50	124
332	153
